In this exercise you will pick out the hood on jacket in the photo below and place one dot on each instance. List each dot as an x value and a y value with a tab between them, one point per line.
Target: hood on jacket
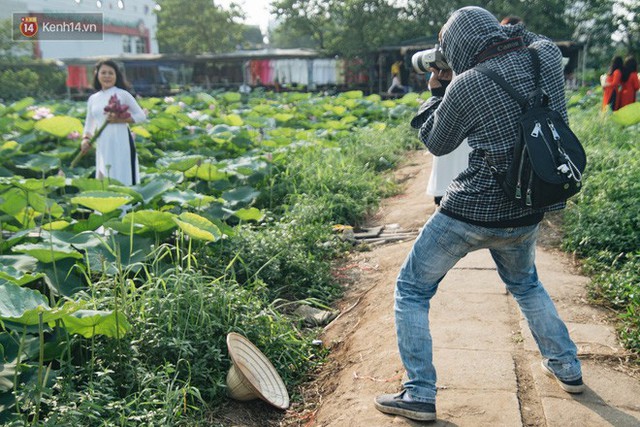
469	31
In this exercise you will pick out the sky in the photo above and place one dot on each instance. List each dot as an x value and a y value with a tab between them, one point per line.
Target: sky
257	12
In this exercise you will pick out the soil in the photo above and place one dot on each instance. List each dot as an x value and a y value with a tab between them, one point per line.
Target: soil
363	358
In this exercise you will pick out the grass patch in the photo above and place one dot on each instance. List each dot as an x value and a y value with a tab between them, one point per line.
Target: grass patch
602	224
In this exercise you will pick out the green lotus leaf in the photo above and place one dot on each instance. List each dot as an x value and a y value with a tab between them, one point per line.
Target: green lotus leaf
206	172
56	225
22	104
250	214
232	96
238	195
102	201
89	323
13	201
155	220
339	110
38	163
139	130
283	117
198	227
46	252
188	197
60	126
18	268
42	204
154	188
179	163
352	94
387	103
205	97
233	120
16	301
165	123
348	119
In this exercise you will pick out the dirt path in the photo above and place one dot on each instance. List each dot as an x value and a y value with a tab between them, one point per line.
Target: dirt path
487	363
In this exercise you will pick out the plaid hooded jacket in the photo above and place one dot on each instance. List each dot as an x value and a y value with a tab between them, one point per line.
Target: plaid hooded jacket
476	108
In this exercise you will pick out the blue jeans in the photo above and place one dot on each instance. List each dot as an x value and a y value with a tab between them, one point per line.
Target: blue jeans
442	242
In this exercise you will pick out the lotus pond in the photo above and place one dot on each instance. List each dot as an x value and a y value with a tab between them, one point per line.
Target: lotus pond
115	301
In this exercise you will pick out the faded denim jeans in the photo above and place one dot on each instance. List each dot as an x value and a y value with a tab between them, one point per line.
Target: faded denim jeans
442	242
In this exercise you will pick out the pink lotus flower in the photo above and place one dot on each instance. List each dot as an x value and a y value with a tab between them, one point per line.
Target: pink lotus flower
74	135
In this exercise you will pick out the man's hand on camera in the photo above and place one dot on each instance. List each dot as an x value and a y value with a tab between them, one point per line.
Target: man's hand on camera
439	78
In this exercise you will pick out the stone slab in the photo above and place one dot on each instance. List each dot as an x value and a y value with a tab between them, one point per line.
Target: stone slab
474	370
589	338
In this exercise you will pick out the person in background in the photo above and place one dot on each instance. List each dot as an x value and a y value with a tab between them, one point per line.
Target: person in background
611	84
630	84
116	156
396	87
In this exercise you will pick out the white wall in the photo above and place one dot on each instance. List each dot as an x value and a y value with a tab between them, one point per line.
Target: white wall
134	11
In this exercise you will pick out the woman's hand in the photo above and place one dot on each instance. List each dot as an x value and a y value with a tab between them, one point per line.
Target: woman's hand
85	145
113	118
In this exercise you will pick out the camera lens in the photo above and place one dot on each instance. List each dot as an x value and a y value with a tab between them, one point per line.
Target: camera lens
419	63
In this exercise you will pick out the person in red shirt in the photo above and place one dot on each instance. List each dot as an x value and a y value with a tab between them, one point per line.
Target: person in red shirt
611	84
630	84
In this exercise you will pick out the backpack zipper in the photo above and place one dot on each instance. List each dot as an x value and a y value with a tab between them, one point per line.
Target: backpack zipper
528	197
519	183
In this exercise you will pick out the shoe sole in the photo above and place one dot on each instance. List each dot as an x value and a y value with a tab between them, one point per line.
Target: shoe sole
407	413
574	389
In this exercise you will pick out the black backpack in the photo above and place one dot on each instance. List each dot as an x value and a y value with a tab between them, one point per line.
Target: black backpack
548	159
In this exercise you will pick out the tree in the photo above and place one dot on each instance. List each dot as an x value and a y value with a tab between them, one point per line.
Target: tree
10	49
198	26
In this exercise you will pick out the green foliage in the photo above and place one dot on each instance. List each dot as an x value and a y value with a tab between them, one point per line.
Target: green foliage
603	225
122	326
19	80
198	26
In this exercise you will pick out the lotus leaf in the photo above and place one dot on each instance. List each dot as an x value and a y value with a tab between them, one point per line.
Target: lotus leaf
232	97
9	145
206	172
154	220
233	120
22	104
17	268
164	123
38	163
16	301
352	94
102	201
205	97
56	225
283	117
198	227
627	115
139	130
179	163
188	197
153	189
14	201
250	214
59	126
240	195
47	252
89	323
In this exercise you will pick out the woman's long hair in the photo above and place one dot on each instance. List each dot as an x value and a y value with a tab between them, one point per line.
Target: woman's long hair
630	65
616	64
121	81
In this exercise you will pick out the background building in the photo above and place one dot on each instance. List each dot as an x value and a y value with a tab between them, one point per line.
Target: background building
129	27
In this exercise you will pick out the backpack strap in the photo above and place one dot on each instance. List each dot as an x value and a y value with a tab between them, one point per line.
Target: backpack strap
537	95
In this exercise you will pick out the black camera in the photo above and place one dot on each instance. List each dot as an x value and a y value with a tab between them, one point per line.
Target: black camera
425	59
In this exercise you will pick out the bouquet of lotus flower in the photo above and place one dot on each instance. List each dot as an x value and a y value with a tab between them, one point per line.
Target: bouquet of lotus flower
115	107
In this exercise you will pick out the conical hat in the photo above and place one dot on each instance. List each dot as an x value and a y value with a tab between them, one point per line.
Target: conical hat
253	375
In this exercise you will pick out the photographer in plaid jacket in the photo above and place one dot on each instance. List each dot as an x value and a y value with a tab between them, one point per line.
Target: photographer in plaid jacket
475	213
